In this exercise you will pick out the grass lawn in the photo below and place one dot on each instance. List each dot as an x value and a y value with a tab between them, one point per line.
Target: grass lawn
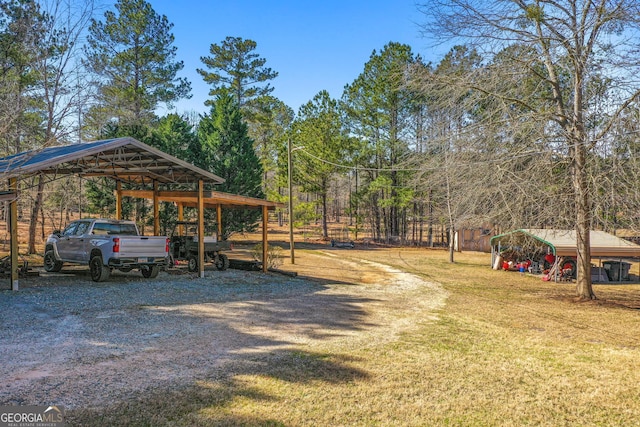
504	349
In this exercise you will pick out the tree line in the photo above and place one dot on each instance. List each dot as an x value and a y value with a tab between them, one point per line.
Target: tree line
529	120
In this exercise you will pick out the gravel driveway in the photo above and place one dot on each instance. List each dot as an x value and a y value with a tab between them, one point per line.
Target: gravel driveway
67	341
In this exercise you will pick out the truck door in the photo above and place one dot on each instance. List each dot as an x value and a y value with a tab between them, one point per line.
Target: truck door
76	242
63	242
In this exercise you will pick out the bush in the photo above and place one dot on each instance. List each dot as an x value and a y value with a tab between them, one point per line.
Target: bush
274	255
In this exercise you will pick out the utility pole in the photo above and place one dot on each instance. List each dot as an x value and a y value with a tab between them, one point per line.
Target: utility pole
291	244
290	175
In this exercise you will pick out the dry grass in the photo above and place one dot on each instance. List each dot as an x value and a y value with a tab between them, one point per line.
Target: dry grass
505	349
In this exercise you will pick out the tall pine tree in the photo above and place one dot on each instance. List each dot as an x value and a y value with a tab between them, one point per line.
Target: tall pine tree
378	106
132	53
22	31
228	152
319	129
234	65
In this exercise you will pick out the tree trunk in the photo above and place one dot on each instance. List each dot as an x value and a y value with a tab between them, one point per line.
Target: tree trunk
584	289
421	227
33	220
580	178
325	228
376	229
452	239
430	220
414	225
42	224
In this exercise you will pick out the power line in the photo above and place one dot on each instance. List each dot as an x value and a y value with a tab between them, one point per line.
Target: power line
495	159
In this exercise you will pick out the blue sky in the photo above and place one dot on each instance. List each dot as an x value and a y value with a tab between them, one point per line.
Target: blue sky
312	45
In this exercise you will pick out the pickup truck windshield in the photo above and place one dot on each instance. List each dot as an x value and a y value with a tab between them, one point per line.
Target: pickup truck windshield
120	229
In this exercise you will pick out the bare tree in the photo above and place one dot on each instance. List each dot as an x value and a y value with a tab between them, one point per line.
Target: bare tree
21	28
577	42
454	162
63	90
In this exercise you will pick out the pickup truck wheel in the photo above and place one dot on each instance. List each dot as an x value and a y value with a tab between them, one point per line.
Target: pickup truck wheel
99	272
222	262
51	264
192	264
150	271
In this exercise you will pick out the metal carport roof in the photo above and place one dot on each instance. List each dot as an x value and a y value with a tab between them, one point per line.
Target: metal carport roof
124	159
563	242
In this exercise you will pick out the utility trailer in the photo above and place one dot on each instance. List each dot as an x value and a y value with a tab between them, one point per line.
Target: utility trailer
184	246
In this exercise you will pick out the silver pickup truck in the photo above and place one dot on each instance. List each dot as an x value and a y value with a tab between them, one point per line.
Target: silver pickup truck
104	245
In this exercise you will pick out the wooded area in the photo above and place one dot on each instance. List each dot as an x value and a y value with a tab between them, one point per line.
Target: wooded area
529	121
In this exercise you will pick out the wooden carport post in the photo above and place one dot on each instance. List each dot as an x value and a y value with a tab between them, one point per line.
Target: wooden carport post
13	230
201	228
219	220
118	200
265	218
180	218
156	209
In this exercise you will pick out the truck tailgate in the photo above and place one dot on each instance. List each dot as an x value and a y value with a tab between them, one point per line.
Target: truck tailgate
143	246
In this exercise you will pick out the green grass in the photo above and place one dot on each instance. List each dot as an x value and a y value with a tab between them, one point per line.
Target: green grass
506	349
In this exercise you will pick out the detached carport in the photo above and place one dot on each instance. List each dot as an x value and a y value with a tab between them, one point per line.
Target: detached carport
131	163
562	243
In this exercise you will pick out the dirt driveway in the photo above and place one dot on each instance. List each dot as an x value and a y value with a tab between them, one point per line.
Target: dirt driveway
68	341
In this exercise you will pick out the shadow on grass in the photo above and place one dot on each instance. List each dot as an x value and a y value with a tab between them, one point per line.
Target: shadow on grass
208	401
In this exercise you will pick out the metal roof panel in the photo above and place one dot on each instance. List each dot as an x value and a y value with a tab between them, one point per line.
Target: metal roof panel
125	159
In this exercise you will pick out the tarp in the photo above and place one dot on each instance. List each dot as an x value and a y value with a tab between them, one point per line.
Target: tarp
563	242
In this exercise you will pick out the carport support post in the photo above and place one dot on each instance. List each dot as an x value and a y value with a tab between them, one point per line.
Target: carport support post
219	220
201	228
265	218
118	200
180	218
13	229
156	215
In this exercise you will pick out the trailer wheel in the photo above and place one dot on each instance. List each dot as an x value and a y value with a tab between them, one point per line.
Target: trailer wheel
192	264
150	271
51	264
570	268
99	272
222	262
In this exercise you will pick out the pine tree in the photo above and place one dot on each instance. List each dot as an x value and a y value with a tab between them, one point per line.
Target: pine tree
319	129
22	29
176	136
132	53
378	107
235	66
228	152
